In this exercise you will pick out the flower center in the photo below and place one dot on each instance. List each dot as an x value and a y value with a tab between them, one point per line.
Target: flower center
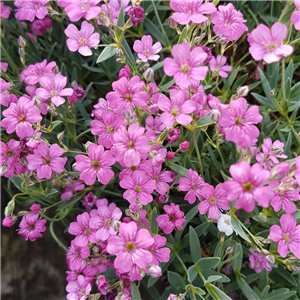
31	226
47	161
54	93
286	238
128	97
84	5
87	231
131	144
130	246
248	187
107	223
238	121
146	52
82	42
96	164
137	189
110	129
271	46
22	118
174	111
185	68
213	200
8	153
133	168
171	217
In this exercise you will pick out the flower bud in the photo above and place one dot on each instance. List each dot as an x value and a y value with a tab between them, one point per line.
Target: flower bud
60	136
95	249
154	271
149	74
136	14
103	19
56	70
21	42
171	22
242	91
3	170
120	52
21	52
162	199
272	93
198	39
184	146
279	171
86	145
229	250
159	160
35	207
134	207
215	114
170	155
270	259
9	221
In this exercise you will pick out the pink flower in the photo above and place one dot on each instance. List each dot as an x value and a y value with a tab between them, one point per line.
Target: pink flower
130	247
125	72
219	65
5	11
130	145
33	73
176	109
95	165
82	8
29	9
20	116
53	88
162	178
88	201
287	236
40	26
78	93
237	122
3	65
105	223
187	11
114	9
295	17
159	253
71	188
5	97
145	50
9	221
185	65
173	218
194	184
297	171
258	262
82	230
31	227
46	160
76	256
82	40
215	200
138	187
284	196
79	289
247	186
228	22
266	44
136	15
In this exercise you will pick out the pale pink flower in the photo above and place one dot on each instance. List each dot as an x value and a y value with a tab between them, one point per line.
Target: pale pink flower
273	150
145	50
187	11
96	165
194	185
176	109
130	145
247	186
114	9
3	65
162	178
82	40
228	22
173	219
82	8
258	262
29	9
88	272
130	247
5	97
138	187
295	17
186	64
218	64
267	44
215	200
31	227
287	236
159	252
106	221
33	73
297	171
46	160
237	122
20	117
76	255
53	89
79	289
5	11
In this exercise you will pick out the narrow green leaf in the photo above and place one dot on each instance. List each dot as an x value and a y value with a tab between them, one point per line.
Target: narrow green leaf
264	101
240	82
135	293
288	89
194	245
179	170
120	21
176	280
288	144
106	53
237	261
265	84
129	56
274	78
238	228
154	225
155	32
280	294
231	79
245	288
158	66
213	278
207	263
17	181
289	71
216	293
166	86
192	273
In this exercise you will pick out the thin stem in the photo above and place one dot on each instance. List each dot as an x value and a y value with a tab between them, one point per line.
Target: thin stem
56	238
180	260
112	193
198	153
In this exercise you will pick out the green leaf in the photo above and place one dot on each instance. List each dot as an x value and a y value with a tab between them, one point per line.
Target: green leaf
216	293
203	121
194	245
280	294
135	293
274	78
106	53
213	278
265	84
154	225
120	22
192	273
290	70
264	101
288	89
237	261
155	32
288	144
207	263
157	66
17	181
128	54
200	229
245	288
231	79
238	228
166	86
176	281
179	170
240	82
73	200
55	124
295	92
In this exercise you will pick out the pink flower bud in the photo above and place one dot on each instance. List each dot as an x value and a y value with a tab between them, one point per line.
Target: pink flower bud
159	160
279	171
136	14
35	207
184	146
125	72
8	221
154	271
170	155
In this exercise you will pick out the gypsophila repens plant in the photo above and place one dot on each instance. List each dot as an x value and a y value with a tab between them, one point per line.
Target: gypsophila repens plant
164	136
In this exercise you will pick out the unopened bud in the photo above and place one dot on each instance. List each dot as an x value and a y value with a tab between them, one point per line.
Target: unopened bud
145	67
115	225
229	250
3	170
120	52
272	93
184	146
86	145
22	213
267	241
171	22
203	25
9	221
21	52
134	207
162	199
279	171
142	272
242	91
95	249
149	74
60	136
170	155
270	259
215	114
159	160
265	252
112	32
56	70
293	268
103	19
74	83
154	271
21	42
37	100
292	259
198	39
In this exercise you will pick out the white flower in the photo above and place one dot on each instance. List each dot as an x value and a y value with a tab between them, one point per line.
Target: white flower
224	224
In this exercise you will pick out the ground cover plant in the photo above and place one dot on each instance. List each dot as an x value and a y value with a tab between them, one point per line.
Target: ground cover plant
164	136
